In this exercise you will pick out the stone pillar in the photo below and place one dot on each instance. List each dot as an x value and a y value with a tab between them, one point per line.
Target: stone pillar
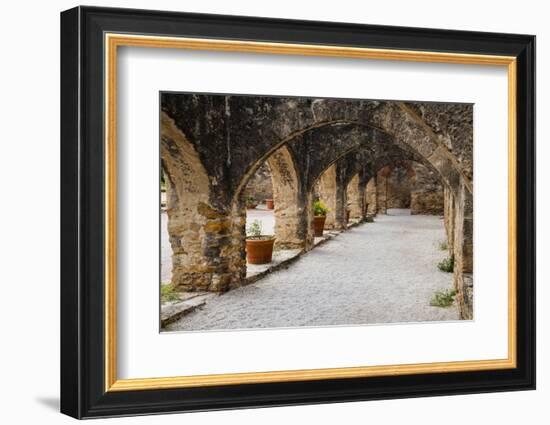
290	202
371	197
208	246
448	214
463	250
327	194
356	198
341	200
382	190
207	233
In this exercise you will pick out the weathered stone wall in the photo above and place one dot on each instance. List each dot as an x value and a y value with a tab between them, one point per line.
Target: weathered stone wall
399	183
371	195
427	192
355	199
213	145
463	250
381	193
260	186
449	214
290	202
327	194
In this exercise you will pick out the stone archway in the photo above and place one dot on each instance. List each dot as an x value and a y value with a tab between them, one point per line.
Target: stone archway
200	232
230	135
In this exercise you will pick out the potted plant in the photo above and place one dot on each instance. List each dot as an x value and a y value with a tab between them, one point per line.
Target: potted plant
269	204
320	211
259	247
251	203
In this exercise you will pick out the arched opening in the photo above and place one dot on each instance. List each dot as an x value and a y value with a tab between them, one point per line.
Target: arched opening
209	157
199	231
395	184
406	185
274	207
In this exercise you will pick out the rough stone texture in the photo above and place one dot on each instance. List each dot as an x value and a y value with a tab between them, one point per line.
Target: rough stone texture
337	284
211	146
452	127
371	194
290	200
426	192
327	194
398	180
355	195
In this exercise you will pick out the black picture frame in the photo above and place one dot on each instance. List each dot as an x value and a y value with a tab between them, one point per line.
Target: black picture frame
83	392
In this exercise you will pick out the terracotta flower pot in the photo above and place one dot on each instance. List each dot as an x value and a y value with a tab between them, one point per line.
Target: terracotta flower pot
251	206
319	224
259	251
269	204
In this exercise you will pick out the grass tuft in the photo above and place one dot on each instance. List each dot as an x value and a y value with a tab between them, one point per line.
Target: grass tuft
168	293
447	265
443	298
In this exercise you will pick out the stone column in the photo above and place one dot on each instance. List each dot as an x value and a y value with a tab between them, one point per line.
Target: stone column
208	245
381	191
356	198
290	202
448	214
371	197
327	193
207	232
463	250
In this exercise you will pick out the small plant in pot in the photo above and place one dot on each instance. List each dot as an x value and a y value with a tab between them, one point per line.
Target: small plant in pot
259	247
320	211
251	203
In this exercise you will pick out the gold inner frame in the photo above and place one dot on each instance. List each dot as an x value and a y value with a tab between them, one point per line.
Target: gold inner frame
113	41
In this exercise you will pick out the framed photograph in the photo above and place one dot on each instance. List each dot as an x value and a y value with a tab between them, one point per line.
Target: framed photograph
261	212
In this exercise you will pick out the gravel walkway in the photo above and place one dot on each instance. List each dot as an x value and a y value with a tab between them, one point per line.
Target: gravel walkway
378	272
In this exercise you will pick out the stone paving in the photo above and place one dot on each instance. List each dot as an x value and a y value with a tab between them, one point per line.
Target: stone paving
379	272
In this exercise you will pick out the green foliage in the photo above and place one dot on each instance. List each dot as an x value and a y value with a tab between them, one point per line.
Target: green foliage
250	199
319	208
447	265
254	231
168	293
443	298
443	246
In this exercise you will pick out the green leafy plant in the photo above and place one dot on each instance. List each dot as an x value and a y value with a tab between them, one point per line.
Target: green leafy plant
254	231
443	298
443	246
250	199
319	208
168	293
447	265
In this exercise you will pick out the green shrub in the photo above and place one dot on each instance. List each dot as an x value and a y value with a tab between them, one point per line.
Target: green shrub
168	293
447	265
443	298
443	246
319	208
